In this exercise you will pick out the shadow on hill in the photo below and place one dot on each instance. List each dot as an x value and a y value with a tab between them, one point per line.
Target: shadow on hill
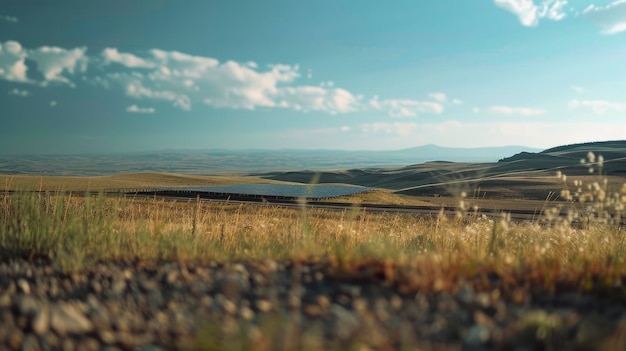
524	175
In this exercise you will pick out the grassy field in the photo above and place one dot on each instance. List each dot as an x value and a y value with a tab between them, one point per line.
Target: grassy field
130	180
582	253
77	231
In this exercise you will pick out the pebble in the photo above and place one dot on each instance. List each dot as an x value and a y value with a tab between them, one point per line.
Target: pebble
119	307
68	319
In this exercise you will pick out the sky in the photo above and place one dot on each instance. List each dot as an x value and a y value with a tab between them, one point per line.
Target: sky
82	76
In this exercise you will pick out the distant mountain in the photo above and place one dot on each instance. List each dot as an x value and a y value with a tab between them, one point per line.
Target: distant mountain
483	154
244	161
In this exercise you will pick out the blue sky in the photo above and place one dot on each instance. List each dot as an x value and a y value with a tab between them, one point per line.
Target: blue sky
126	75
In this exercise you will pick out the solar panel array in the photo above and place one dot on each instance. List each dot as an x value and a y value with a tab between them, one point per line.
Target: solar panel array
277	190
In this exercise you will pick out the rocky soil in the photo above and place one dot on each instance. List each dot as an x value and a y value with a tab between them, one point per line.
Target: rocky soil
278	306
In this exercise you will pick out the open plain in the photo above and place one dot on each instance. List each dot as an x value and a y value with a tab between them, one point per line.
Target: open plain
84	268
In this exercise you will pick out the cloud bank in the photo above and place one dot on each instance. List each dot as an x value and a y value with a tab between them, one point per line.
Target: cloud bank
185	80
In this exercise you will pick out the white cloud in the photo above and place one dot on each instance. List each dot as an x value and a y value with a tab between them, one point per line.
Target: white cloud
611	18
309	98
457	101
394	128
524	111
475	110
405	107
54	61
18	92
529	13
344	129
8	18
577	88
111	55
440	97
598	107
53	103
13	62
186	79
134	86
137	109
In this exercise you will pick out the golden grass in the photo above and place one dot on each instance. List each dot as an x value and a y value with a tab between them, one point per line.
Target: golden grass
584	250
130	180
432	252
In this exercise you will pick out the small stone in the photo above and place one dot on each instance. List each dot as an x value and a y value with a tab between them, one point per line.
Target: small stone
66	318
41	320
148	348
107	336
88	344
264	305
477	336
30	343
155	299
5	300
16	338
396	302
294	302
246	313
352	291
68	345
131	341
346	322
227	306
118	287
28	306
312	310
23	286
96	287
171	277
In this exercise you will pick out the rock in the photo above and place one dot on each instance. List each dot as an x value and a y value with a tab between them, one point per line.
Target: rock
107	336
88	344
346	322
67	319
41	321
28	306
5	300
68	345
148	348
477	336
263	305
131	341
30	343
23	285
16	338
352	291
246	313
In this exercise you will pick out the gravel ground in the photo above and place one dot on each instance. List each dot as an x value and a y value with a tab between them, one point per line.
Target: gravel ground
277	306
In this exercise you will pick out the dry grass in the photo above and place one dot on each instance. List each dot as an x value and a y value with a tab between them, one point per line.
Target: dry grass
76	231
130	180
584	250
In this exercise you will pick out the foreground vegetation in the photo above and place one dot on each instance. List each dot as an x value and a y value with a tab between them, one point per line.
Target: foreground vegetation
75	232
